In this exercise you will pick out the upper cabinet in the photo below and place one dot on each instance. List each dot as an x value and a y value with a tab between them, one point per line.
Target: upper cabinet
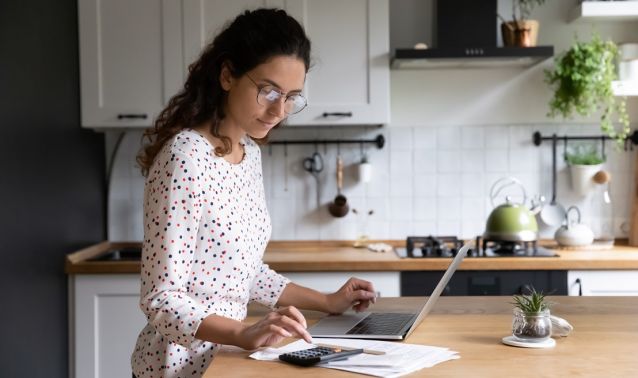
130	60
349	78
605	11
134	56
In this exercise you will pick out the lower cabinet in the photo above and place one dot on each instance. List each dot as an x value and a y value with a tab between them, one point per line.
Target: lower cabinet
485	282
603	282
105	319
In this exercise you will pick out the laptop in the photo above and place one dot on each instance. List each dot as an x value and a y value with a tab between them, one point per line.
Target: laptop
384	325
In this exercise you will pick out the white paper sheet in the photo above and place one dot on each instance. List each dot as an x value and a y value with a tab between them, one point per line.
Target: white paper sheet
400	358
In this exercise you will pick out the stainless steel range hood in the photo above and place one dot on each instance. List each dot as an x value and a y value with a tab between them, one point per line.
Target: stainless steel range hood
466	34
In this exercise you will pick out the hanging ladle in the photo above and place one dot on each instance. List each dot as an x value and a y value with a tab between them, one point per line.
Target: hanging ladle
553	213
339	207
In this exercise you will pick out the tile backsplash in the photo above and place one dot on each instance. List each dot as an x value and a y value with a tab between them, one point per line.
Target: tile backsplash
426	180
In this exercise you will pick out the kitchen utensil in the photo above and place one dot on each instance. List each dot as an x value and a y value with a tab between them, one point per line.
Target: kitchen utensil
553	213
365	170
339	207
314	165
510	221
601	206
574	233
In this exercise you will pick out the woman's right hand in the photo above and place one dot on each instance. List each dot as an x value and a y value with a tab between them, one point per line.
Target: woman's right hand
273	328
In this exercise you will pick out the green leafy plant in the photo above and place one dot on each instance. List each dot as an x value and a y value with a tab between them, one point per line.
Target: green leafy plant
582	83
532	303
524	8
584	154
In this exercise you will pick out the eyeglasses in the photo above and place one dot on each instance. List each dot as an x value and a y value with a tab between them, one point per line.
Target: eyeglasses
269	95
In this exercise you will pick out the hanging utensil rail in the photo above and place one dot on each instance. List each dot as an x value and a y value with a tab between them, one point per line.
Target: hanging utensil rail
629	141
379	141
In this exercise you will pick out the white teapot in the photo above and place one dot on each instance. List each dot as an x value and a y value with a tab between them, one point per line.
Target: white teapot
573	233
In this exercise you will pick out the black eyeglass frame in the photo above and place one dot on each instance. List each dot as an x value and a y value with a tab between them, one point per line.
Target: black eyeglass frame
260	90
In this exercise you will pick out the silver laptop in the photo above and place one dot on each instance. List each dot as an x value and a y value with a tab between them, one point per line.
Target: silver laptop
384	325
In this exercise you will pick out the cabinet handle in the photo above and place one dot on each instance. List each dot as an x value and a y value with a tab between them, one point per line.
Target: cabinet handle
580	287
132	116
337	114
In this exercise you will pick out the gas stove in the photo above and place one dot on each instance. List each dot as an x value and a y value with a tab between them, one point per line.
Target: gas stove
448	246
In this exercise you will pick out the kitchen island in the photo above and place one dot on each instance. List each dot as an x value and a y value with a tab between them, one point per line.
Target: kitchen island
104	295
602	344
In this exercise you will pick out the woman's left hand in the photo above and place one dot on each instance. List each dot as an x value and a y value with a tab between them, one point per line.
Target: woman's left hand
355	292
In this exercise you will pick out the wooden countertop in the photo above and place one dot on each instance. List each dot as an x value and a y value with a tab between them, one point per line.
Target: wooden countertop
310	256
602	344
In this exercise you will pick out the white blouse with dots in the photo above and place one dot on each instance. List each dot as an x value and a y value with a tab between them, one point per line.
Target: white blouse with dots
206	226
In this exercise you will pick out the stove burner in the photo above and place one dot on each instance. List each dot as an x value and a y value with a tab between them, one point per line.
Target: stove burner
448	246
503	248
430	246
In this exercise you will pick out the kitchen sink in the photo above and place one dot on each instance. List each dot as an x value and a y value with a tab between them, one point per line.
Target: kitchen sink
120	254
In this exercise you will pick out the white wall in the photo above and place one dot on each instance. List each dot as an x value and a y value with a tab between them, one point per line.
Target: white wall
453	133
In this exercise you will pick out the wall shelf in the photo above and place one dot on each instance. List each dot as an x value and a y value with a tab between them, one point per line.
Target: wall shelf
605	11
625	88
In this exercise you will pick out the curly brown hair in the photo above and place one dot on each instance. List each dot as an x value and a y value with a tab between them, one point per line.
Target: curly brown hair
249	40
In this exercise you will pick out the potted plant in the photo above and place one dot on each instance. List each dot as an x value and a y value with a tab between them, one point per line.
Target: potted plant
532	322
521	31
584	162
582	84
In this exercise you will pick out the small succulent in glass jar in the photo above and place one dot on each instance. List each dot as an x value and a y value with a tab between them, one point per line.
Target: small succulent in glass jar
532	320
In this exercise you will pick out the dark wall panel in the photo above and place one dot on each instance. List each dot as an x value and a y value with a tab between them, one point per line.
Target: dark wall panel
51	182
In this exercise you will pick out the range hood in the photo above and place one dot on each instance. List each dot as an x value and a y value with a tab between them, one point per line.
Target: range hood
466	34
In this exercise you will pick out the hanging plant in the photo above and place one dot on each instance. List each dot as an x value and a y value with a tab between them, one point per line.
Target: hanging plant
582	83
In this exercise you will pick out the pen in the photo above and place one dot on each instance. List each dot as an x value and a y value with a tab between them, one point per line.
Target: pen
368	351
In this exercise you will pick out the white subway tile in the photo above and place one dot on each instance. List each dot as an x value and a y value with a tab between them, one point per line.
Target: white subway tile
448	185
448	209
425	161
425	185
401	162
401	138
448	137
425	209
496	160
473	185
449	161
400	209
473	137
425	138
401	185
496	137
473	161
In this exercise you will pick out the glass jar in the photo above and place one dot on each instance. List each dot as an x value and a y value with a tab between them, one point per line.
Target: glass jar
531	327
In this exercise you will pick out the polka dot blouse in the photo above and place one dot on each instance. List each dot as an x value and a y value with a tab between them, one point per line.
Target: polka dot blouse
205	230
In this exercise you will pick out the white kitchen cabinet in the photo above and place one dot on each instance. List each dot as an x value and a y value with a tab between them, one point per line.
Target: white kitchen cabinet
387	284
605	11
130	60
134	56
602	282
105	319
349	78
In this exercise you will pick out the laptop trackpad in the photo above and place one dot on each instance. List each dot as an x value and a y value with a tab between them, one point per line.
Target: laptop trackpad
336	324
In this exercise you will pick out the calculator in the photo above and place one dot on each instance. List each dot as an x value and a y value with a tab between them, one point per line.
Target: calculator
309	357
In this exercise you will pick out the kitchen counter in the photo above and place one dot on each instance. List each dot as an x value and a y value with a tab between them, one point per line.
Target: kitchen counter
601	345
309	256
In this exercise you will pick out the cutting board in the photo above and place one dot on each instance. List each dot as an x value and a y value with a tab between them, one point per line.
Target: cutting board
633	218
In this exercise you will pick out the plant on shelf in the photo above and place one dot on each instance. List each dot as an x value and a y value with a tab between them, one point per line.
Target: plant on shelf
584	162
531	316
521	31
582	84
583	154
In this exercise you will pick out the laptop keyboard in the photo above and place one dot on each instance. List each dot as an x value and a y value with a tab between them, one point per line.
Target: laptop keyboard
381	324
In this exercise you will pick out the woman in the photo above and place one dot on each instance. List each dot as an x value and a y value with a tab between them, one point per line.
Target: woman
205	219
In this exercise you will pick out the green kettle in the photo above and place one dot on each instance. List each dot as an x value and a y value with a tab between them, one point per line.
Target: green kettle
511	221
